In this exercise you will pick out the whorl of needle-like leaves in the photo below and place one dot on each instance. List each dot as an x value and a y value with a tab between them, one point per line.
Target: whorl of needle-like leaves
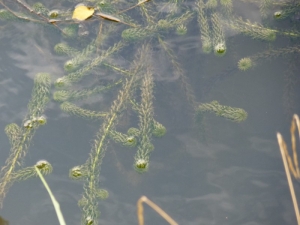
70	31
40	94
78	172
204	27
184	80
226	7
141	165
137	34
6	15
44	166
20	138
245	63
89	202
39	8
287	9
230	113
69	95
132	131
211	4
80	73
64	49
102	193
14	134
181	30
268	54
145	112
159	129
80	57
25	173
253	30
264	7
128	141
75	110
218	36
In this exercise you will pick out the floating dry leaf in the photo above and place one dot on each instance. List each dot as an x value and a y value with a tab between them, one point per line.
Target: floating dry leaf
82	12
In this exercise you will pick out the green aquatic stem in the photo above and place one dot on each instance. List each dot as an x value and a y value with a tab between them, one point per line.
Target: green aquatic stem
271	54
69	95
124	139
89	201
29	172
257	31
254	30
53	199
80	58
211	4
230	113
145	111
287	9
204	27
22	139
218	36
147	12
75	110
264	7
159	130
40	95
227	7
116	68
138	34
39	8
14	134
184	80
64	49
79	74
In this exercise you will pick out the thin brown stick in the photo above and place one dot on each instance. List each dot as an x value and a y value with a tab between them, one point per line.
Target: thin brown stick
142	2
162	213
293	141
44	19
282	147
112	18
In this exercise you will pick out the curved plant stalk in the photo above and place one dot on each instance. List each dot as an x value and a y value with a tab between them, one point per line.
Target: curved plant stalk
162	213
289	164
53	199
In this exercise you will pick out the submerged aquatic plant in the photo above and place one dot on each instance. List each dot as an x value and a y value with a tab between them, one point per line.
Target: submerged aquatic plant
230	113
20	137
132	86
245	64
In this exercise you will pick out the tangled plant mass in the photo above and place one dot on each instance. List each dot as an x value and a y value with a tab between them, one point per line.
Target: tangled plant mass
103	31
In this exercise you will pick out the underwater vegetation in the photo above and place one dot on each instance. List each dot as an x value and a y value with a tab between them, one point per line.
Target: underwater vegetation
111	50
